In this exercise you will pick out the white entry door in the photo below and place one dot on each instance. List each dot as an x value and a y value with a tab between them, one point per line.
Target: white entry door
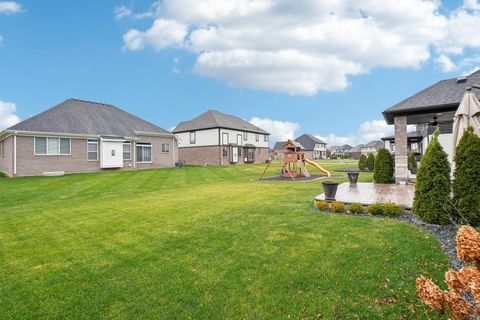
234	154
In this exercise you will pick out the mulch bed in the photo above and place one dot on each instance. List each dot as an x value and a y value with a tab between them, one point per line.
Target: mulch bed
300	179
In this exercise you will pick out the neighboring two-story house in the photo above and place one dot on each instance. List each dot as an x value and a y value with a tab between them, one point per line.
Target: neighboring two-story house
84	136
314	148
215	138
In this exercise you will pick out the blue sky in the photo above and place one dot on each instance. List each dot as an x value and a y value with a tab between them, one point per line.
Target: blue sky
54	50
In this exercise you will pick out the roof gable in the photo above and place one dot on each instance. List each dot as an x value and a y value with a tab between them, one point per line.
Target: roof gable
215	119
74	116
309	141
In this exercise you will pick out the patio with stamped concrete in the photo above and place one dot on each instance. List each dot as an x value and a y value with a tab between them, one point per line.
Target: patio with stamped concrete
368	193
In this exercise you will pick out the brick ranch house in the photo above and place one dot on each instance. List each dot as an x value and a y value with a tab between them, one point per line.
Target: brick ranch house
84	136
215	138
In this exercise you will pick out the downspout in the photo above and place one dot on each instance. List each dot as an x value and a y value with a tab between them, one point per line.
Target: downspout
134	154
173	151
15	153
219	148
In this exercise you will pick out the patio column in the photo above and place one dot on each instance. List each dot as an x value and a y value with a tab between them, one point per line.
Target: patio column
401	150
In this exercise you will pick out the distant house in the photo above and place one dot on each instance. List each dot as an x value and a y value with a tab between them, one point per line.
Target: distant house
340	151
371	147
314	148
355	152
428	109
215	138
84	136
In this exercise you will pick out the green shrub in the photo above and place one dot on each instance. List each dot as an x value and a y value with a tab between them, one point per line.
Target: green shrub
321	205
466	185
370	162
356	208
362	162
412	163
392	210
338	206
384	168
376	209
432	189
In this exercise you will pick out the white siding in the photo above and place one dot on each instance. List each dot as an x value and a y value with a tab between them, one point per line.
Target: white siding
203	138
250	138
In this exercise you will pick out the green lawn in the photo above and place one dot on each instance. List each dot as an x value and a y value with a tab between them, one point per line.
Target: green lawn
203	243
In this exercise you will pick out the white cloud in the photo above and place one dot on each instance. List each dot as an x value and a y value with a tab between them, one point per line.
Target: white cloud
9	7
307	46
163	33
7	115
445	63
127	12
279	130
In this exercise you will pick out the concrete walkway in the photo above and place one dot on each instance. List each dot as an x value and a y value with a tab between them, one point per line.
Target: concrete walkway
368	193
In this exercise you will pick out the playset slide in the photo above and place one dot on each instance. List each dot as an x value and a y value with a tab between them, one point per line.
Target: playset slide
317	166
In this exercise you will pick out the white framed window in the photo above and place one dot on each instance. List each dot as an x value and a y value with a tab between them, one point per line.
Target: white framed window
265	138
193	137
225	138
245	135
144	152
165	147
239	139
257	137
52	146
127	151
2	149
92	150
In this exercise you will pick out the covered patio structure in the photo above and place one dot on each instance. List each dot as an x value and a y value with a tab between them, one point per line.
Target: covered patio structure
431	108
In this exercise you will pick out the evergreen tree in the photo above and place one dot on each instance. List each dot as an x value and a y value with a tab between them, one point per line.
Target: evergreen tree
362	162
466	186
370	162
432	190
412	163
384	167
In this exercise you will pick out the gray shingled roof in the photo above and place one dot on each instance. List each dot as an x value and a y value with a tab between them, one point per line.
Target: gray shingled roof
443	94
343	147
74	116
308	141
216	119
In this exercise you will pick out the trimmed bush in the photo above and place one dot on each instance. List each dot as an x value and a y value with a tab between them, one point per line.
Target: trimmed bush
383	167
392	210
370	162
338	206
321	205
466	186
362	162
356	208
412	163
376	209
432	201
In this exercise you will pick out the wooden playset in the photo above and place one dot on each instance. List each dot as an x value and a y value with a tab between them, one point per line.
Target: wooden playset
292	161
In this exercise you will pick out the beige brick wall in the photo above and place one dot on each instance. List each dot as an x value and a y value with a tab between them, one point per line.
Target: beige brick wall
29	164
6	157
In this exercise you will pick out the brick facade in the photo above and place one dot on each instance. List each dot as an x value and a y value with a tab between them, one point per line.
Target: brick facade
29	164
214	155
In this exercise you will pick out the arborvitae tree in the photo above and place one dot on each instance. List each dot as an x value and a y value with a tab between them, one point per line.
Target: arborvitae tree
370	162
432	201
362	162
384	167
466	186
412	163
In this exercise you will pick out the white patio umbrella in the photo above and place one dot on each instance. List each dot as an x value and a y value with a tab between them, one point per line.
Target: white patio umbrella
468	114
